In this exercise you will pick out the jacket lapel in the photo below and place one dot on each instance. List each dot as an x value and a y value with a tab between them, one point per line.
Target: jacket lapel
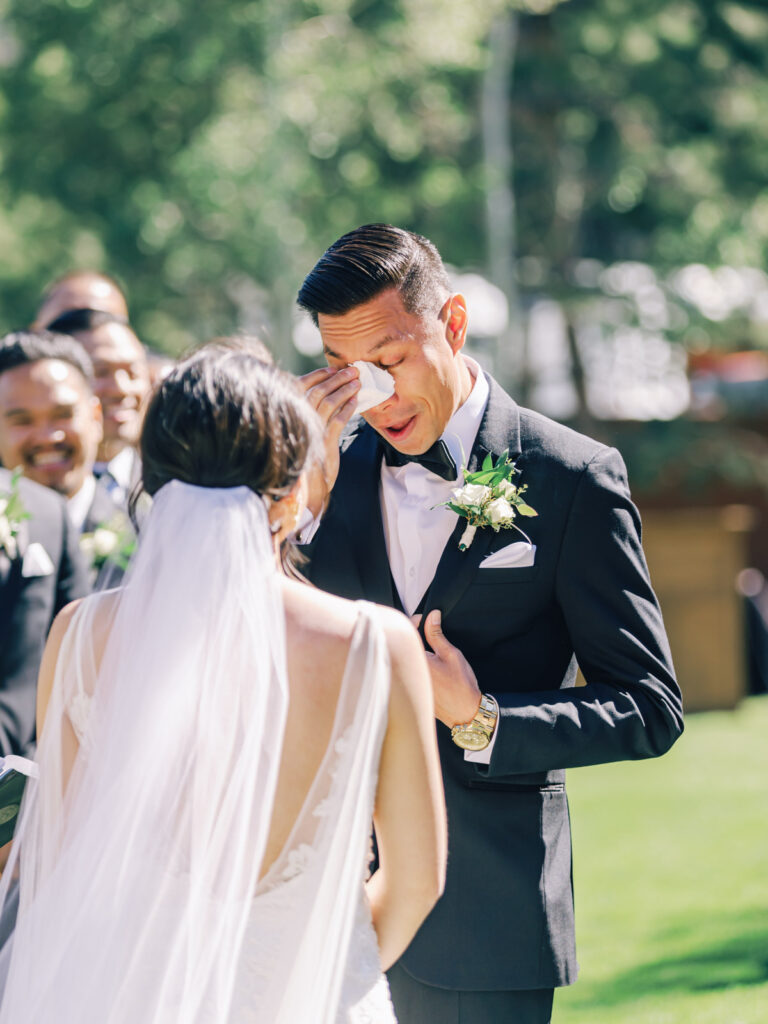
499	431
102	510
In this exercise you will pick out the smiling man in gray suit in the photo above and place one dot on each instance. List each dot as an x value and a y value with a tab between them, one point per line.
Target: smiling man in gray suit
40	572
507	620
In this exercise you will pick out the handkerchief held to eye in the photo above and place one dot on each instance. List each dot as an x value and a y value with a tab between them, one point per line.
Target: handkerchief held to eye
37	561
376	385
512	556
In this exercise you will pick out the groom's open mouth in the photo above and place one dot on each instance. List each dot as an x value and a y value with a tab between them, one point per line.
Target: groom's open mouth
398	432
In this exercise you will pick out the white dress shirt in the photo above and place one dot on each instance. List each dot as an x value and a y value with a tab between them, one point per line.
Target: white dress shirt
120	475
415	531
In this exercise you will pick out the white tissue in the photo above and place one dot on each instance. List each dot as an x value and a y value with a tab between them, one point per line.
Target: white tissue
376	385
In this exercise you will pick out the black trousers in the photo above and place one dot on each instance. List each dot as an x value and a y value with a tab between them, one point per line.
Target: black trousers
417	1003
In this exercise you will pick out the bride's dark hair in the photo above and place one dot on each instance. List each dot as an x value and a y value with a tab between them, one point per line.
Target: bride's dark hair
225	418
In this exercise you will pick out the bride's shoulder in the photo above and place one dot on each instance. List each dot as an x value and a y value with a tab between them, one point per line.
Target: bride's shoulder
324	622
95	610
336	617
317	613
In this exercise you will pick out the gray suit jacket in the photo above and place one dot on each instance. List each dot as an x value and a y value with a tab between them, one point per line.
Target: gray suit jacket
29	601
505	920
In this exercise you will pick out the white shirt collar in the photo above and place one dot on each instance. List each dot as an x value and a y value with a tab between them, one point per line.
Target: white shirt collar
461	429
80	502
123	468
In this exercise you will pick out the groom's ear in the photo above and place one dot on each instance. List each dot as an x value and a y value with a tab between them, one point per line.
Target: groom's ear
454	314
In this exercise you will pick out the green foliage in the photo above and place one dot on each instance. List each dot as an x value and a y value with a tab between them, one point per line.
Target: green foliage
206	154
641	133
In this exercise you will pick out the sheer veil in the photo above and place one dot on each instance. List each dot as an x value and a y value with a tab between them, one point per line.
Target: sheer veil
138	876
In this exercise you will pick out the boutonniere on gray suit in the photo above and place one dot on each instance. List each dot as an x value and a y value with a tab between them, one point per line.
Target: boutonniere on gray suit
12	517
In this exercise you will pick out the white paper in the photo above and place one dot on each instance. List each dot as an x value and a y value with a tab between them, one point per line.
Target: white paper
512	556
376	385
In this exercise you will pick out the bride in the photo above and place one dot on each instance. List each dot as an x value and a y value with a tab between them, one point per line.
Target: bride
215	739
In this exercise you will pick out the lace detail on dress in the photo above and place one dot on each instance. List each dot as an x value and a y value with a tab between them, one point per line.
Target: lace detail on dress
298	862
79	714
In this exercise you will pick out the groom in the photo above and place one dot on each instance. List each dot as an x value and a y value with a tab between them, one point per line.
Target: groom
507	620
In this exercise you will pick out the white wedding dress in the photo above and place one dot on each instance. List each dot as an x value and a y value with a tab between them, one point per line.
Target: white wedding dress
140	891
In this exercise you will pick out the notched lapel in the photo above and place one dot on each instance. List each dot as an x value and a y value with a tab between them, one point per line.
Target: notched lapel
499	431
456	570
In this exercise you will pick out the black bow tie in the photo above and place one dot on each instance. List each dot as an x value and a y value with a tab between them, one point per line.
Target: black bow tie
436	459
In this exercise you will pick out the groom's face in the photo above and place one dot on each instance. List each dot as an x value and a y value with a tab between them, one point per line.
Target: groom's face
420	351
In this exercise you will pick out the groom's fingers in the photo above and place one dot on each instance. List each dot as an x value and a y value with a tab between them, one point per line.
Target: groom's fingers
330	392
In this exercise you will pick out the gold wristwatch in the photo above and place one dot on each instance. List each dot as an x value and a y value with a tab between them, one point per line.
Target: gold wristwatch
476	735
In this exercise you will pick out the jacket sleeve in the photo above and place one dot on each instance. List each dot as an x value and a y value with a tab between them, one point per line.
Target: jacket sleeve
631	707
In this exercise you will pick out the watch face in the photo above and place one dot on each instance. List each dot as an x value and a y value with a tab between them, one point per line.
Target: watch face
471	739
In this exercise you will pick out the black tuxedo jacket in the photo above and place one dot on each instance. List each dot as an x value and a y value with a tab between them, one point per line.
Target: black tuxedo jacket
505	920
29	601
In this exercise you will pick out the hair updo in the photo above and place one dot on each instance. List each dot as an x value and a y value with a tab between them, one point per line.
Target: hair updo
225	418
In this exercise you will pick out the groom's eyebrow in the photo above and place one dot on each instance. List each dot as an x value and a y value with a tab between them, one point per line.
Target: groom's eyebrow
374	348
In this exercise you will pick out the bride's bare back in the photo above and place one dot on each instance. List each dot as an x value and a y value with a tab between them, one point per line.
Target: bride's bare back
409	811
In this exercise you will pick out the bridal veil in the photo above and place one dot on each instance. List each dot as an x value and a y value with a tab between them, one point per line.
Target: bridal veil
137	877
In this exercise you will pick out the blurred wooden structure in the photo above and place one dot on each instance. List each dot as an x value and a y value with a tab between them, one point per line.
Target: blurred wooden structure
694	556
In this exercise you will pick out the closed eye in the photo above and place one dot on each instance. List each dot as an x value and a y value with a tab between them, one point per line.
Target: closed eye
388	366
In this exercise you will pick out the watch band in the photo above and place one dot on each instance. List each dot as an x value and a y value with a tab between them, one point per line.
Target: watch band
476	735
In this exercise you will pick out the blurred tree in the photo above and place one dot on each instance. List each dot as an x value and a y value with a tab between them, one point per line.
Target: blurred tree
207	154
641	134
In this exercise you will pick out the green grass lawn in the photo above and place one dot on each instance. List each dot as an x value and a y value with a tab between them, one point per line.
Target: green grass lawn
671	877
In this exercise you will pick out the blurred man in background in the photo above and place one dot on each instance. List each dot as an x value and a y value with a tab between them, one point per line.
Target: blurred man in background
81	289
51	422
122	383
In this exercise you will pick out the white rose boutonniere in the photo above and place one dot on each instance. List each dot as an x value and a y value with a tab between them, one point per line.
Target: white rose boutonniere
489	498
12	515
114	541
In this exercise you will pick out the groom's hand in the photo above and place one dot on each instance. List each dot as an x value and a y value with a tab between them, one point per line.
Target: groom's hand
333	395
454	684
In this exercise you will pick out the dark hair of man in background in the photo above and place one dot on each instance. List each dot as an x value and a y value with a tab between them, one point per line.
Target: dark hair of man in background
19	348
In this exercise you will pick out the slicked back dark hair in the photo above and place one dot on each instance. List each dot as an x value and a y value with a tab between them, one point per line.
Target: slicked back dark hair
20	348
370	260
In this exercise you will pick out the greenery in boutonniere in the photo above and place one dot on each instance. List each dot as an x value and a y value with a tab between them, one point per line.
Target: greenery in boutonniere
488	497
12	515
113	541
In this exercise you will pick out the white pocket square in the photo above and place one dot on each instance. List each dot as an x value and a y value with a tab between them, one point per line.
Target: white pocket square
37	561
513	556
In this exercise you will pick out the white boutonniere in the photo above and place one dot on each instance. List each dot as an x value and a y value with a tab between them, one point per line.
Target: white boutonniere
113	541
488	497
12	515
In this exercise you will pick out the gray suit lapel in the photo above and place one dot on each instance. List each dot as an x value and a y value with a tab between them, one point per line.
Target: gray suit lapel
102	510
